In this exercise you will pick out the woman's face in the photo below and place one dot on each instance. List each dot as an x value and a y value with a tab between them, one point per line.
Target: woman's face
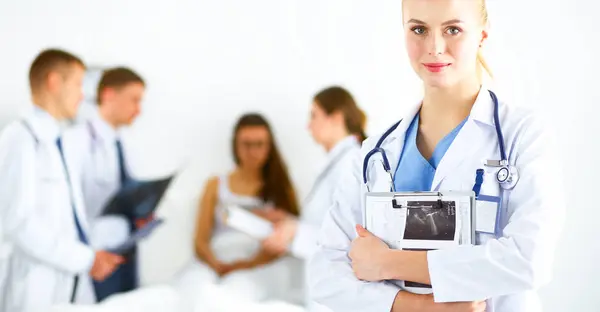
443	38
321	125
253	146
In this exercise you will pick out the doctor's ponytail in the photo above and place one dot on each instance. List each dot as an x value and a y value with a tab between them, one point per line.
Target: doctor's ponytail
482	65
337	99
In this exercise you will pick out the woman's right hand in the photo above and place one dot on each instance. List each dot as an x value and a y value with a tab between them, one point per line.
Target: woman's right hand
222	268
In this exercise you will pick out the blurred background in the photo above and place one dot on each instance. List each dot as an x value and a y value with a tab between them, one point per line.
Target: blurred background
207	62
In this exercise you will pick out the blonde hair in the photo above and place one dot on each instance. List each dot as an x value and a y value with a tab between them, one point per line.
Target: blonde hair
483	65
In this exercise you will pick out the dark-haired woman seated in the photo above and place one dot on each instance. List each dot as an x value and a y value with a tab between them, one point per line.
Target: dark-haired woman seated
230	258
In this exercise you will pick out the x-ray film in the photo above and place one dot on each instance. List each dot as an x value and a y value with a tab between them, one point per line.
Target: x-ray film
420	221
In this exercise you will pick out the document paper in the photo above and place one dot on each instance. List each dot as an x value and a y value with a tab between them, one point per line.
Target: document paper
245	221
420	222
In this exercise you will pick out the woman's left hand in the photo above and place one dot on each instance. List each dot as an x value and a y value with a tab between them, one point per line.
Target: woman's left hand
368	254
282	236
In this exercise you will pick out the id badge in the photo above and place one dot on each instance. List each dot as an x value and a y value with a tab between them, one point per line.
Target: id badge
487	214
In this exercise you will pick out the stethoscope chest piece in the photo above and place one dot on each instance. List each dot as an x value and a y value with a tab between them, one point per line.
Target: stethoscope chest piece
507	176
503	175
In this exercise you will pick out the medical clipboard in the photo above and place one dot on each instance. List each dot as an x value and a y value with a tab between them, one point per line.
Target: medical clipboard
387	200
404	221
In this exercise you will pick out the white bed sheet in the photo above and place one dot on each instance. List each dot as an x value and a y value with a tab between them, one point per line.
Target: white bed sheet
166	298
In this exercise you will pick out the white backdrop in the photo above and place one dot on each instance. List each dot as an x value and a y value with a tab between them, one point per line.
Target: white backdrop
206	62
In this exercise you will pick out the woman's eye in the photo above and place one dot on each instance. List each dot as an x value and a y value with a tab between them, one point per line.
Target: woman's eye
453	31
419	30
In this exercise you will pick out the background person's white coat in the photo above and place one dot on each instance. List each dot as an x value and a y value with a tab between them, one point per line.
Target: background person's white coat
38	218
91	146
206	62
507	271
315	206
320	198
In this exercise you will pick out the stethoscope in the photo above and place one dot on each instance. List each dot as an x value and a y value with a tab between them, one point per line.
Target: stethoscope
507	176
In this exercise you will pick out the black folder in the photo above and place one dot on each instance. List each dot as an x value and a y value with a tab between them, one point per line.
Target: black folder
138	199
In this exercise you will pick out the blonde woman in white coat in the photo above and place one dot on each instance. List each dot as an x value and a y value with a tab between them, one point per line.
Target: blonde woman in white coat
337	124
444	143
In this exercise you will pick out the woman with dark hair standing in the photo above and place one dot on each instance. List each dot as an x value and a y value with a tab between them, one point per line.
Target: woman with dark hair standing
232	258
337	124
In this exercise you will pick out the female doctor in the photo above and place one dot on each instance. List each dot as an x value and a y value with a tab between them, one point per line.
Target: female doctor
457	129
337	124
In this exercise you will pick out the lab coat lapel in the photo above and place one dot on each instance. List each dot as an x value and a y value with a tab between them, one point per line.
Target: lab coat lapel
392	146
470	139
466	143
333	157
335	154
49	130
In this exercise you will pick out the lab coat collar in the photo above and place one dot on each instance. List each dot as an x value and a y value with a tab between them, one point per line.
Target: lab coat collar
394	143
483	108
102	129
470	138
44	125
464	144
336	153
341	146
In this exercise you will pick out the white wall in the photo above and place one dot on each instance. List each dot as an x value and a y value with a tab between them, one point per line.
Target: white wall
206	62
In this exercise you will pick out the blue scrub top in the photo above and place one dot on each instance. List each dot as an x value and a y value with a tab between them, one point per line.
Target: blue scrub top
414	172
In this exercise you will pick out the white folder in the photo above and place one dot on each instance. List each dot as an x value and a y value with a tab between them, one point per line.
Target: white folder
245	221
421	221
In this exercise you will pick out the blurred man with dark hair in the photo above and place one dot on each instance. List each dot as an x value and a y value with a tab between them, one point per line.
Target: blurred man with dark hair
41	205
103	168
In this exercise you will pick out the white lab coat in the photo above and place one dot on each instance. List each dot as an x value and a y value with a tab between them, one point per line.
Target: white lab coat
314	208
507	270
91	145
320	197
37	216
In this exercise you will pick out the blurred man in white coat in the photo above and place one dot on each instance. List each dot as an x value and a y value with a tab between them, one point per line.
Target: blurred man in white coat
101	163
40	201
